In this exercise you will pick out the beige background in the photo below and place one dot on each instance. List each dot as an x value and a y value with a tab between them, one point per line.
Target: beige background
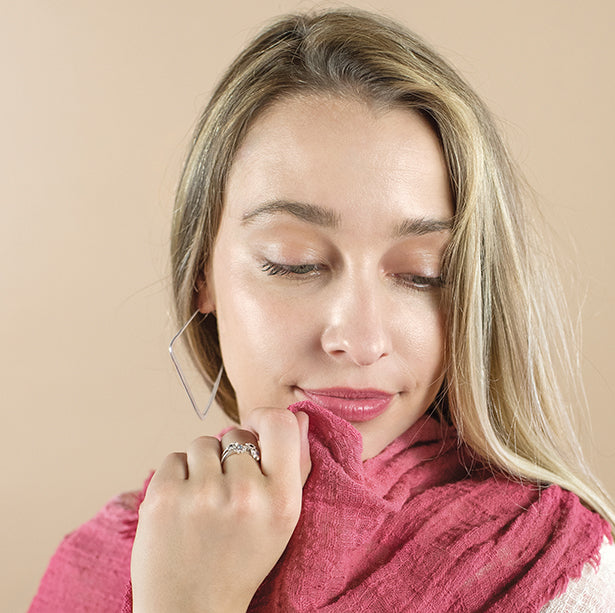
98	100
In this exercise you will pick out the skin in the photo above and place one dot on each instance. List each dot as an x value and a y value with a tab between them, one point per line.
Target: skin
343	298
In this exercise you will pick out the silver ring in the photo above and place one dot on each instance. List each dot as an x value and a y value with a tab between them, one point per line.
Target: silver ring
234	448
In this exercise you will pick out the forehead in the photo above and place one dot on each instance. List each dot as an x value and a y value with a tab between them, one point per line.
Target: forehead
341	153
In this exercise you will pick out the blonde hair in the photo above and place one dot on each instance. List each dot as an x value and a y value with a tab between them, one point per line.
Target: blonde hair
507	336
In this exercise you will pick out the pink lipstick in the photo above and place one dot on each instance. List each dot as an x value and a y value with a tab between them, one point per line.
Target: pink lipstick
351	404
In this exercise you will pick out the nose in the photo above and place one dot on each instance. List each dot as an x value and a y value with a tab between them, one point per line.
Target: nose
358	325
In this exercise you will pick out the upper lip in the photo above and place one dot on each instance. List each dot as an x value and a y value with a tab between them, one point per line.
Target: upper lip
349	392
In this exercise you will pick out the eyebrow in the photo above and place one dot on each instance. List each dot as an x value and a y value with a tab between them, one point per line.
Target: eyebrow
321	216
307	212
421	226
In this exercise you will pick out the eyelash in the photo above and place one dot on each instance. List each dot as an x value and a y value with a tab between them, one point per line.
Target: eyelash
271	268
415	282
418	283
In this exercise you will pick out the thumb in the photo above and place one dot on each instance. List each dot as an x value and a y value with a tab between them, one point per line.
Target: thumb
306	463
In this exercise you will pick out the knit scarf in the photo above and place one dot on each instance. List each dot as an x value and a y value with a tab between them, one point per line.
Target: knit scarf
413	530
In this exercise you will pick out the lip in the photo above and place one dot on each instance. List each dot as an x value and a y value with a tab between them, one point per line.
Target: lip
351	404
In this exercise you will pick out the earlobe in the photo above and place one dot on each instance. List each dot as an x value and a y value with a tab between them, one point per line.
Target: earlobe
204	296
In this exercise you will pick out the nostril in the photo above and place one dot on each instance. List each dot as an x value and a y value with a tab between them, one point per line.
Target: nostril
360	346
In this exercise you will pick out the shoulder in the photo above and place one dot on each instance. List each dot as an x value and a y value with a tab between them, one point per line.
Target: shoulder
91	566
593	591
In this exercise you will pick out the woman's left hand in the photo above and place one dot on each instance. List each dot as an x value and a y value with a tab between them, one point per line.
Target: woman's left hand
209	534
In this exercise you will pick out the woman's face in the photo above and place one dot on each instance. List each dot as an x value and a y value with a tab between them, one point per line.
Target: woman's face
325	275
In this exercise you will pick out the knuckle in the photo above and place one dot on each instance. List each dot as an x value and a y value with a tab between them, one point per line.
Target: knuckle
202	444
246	499
173	465
159	501
207	499
249	503
279	418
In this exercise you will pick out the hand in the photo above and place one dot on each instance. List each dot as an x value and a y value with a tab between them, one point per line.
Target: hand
208	534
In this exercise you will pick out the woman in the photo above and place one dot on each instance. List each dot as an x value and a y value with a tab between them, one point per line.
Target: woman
350	241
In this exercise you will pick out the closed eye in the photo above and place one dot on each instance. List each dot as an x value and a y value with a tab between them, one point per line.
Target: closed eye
419	282
271	268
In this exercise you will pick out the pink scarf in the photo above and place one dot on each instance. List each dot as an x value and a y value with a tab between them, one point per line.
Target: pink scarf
409	530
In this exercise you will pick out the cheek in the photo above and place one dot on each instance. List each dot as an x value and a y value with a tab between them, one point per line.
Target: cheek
421	341
262	335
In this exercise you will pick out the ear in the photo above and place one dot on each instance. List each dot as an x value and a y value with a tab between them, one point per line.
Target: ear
204	295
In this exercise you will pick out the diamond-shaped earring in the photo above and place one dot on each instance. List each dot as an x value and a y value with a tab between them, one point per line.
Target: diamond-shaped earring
182	378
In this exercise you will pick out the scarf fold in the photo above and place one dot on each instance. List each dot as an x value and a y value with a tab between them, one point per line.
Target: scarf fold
408	530
412	530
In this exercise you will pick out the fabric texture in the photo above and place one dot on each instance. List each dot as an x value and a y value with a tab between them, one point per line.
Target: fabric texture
593	592
412	529
90	570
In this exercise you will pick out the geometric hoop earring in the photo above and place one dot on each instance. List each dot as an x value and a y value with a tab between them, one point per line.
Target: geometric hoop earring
214	389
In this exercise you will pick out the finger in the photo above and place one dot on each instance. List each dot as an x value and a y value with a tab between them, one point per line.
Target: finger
173	468
305	460
279	438
239	435
203	458
239	463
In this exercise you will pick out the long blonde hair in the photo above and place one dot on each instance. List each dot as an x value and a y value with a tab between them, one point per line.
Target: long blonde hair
507	334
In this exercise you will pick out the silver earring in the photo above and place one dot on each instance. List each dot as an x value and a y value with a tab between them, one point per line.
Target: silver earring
182	378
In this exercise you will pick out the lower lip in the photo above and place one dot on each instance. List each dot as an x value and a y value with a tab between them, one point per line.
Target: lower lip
351	409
